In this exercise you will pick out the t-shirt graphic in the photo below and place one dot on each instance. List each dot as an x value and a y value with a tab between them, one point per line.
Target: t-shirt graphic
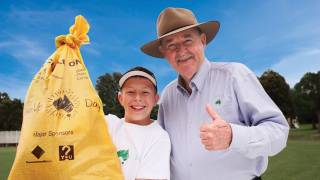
123	155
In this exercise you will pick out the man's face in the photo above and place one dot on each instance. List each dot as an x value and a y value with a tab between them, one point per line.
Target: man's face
138	97
184	51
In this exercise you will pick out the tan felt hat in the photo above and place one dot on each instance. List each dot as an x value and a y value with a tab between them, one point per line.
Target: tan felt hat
173	20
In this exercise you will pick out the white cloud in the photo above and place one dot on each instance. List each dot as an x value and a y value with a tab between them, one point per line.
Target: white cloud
92	50
28	52
117	67
15	87
160	70
294	66
26	40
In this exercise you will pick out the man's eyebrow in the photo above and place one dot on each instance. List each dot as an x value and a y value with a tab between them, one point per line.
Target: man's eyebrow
169	40
187	35
166	41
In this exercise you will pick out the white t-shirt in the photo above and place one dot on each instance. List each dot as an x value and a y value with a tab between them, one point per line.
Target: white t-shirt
144	151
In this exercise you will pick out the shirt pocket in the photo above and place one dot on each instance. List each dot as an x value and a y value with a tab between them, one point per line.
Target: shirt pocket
226	107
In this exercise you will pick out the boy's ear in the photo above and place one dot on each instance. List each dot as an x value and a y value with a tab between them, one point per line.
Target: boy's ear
120	97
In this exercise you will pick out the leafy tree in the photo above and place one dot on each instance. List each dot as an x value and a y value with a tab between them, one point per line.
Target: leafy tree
276	87
303	106
10	113
154	112
308	97
108	88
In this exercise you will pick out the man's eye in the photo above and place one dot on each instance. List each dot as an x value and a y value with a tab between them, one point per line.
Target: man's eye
172	47
188	42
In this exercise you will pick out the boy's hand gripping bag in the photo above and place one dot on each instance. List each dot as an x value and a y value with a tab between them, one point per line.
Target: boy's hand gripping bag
64	134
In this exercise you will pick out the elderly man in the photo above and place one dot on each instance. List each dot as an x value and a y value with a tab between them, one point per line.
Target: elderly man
221	122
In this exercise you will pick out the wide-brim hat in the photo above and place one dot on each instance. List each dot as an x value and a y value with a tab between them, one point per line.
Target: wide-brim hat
174	20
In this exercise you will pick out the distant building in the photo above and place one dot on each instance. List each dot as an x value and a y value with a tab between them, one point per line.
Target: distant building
9	138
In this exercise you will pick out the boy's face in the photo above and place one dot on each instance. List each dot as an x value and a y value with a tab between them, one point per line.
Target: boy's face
138	97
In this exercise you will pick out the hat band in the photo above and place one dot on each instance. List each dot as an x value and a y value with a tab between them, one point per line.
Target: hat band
136	73
176	28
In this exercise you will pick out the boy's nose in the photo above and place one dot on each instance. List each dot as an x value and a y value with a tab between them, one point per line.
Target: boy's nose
138	96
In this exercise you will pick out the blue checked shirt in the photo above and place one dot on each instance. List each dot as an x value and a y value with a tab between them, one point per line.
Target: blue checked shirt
259	129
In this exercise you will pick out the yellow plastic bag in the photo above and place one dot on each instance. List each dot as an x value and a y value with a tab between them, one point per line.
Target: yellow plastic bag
64	134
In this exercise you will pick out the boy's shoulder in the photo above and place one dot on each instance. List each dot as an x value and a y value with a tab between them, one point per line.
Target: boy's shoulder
161	133
113	121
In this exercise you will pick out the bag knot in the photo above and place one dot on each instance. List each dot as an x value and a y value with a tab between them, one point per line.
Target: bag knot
77	36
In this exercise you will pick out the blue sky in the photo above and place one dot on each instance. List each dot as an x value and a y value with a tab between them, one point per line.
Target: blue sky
275	34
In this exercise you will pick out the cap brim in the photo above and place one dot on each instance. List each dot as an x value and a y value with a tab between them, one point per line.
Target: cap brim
210	28
134	73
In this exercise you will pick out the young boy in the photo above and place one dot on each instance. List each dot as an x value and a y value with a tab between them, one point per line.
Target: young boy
142	145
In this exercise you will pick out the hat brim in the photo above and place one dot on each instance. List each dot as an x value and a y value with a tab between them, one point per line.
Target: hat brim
210	28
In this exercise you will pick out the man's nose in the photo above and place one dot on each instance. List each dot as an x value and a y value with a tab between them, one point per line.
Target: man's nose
181	49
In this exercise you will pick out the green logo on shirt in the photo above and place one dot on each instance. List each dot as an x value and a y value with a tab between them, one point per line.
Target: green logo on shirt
123	155
218	102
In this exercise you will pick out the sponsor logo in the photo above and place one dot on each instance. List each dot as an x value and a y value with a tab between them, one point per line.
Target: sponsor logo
66	152
38	152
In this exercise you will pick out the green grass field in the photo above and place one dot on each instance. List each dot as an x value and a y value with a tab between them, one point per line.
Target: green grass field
299	161
6	159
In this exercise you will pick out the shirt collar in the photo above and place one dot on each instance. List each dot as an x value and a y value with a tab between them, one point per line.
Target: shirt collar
198	80
200	77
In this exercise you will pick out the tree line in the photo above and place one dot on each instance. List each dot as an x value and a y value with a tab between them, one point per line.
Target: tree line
301	102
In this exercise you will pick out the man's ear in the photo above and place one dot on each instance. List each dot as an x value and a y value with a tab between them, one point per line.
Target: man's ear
203	39
120	98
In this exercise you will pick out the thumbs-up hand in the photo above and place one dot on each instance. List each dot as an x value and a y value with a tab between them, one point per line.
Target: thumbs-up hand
216	135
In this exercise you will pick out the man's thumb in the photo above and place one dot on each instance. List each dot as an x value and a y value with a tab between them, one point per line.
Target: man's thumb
211	112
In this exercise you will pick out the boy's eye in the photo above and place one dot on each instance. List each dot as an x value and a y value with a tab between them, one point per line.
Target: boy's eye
146	92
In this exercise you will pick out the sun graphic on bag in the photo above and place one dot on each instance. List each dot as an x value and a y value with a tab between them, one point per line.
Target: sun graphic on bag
63	104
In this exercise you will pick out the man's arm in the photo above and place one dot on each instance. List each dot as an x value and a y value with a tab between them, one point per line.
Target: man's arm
266	130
